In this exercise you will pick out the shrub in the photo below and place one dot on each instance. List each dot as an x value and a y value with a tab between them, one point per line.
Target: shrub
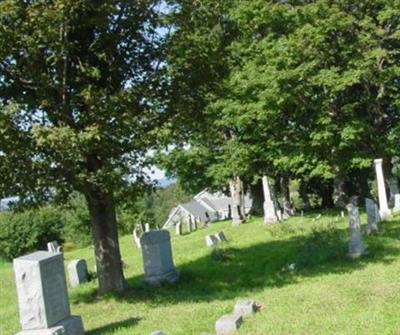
24	232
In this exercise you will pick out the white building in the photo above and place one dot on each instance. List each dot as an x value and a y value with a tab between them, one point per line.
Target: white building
205	206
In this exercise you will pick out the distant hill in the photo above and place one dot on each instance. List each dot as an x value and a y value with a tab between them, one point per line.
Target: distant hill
165	182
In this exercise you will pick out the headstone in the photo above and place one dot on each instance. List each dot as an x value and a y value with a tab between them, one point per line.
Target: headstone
383	204
279	215
59	249
178	228
157	257
158	332
221	236
43	297
147	227
396	207
136	236
211	240
194	225
52	246
189	226
77	272
270	210
373	215
245	307
302	213
228	324
394	189
342	214
356	244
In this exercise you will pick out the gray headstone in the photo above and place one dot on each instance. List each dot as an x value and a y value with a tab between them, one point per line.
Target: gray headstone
221	236
396	207
270	210
52	246
356	245
43	297
189	226
157	257
245	307
373	215
77	272
136	236
178	228
211	240
228	324
158	332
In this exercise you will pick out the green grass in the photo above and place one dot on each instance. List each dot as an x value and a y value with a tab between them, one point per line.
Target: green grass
327	293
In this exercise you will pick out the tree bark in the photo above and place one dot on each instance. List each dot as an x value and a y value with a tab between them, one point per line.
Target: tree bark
340	198
326	193
257	195
285	191
106	244
303	191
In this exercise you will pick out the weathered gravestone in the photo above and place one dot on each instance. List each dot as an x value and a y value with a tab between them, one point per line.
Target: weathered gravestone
270	210
147	227
189	226
356	245
384	210
77	272
178	228
221	237
211	240
396	207
52	246
136	236
43	297
373	215
245	307
228	324
157	257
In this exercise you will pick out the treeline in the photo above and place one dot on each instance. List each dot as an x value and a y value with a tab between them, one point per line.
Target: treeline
296	90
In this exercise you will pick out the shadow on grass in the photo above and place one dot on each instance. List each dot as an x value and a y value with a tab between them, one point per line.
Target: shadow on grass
114	326
228	273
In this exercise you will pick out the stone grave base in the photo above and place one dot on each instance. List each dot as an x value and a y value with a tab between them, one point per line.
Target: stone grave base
170	277
69	326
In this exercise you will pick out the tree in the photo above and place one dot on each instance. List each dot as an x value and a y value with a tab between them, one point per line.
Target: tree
78	88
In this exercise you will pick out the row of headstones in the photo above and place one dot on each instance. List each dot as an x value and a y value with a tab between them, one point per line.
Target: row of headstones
273	214
191	225
42	289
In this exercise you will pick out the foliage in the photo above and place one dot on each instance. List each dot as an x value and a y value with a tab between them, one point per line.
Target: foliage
28	231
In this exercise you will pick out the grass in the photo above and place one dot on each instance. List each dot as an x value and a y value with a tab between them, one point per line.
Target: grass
326	293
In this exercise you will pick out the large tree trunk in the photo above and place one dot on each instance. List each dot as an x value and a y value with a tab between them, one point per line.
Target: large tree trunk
340	198
326	193
106	244
257	195
285	191
303	191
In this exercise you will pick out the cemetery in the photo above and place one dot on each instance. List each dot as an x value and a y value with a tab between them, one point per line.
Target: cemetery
204	167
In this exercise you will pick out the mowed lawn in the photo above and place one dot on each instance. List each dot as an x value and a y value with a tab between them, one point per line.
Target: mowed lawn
326	293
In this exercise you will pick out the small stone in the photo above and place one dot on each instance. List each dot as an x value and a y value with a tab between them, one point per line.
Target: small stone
245	307
211	240
158	332
221	236
228	324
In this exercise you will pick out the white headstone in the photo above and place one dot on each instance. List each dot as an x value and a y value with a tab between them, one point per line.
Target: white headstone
211	240
178	228
221	236
245	307
383	204
157	257
77	272
228	324
52	246
43	297
270	210
147	227
396	207
356	245
136	236
189	226
373	215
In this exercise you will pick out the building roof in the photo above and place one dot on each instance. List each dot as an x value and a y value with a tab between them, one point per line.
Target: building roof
196	209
